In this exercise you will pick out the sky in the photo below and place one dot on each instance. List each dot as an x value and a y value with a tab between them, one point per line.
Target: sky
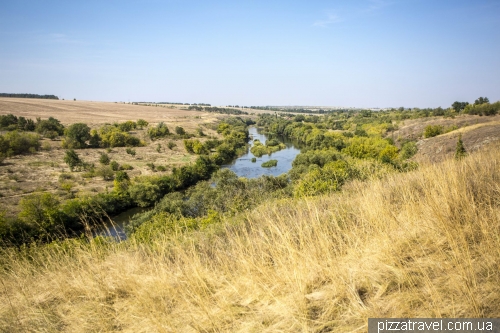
347	53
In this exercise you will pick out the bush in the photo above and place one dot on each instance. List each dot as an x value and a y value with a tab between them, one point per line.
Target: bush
77	135
105	172
144	194
179	130
161	168
161	130
112	136
254	160
127	126
171	145
433	130
130	151
73	160
16	143
50	125
114	166
142	123
409	149
126	167
460	151
104	159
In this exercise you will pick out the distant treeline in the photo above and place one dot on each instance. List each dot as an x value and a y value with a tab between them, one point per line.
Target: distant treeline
29	96
296	110
201	104
215	109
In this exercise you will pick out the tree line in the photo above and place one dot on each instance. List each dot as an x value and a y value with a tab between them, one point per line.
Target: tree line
29	96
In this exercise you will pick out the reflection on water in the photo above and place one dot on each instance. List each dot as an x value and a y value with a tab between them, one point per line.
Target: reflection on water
244	167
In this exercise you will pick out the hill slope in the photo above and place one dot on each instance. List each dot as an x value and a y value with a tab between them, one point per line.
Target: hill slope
421	244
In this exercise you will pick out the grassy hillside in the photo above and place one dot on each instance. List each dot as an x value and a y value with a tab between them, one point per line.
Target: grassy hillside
419	244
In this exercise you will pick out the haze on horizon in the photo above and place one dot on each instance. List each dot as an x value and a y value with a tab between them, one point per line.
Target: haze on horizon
362	53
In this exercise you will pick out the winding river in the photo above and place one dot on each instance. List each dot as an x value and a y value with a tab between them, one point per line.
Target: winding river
242	166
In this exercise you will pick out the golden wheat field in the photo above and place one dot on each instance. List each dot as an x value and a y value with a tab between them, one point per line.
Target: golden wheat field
420	244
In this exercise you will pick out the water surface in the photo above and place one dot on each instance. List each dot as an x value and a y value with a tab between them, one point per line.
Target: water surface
244	167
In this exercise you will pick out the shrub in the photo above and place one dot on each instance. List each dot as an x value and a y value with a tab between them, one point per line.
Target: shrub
161	130
50	125
105	172
127	126
460	151
254	160
126	167
121	182
114	166
433	130
161	168
130	151
179	130
171	145
409	149
104	159
16	143
142	123
73	160
144	194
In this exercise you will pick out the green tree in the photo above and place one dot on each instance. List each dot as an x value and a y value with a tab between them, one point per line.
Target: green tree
144	194
77	135
459	106
73	160
121	182
41	210
481	100
460	151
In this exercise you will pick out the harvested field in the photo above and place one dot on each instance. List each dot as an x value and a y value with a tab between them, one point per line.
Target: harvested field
46	170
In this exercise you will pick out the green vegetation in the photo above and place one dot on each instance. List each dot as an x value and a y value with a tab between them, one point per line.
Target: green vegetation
269	164
77	136
29	96
16	143
337	148
171	145
161	130
273	145
104	159
433	130
460	151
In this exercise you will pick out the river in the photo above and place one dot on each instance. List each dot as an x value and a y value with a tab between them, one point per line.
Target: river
242	166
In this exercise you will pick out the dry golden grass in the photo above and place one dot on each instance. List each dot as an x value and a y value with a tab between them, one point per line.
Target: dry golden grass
421	244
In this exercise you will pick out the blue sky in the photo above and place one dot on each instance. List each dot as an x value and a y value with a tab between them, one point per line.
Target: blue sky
362	53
